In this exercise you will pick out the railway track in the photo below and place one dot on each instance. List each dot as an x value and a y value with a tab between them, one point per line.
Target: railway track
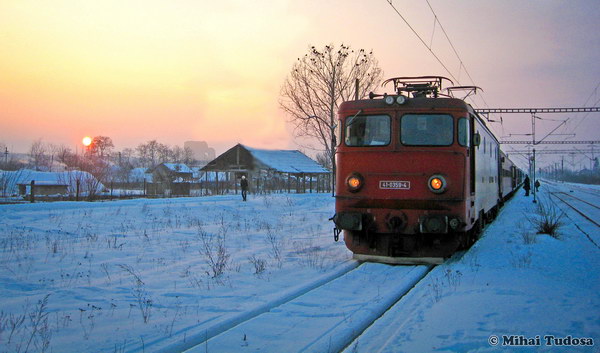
586	209
324	319
590	211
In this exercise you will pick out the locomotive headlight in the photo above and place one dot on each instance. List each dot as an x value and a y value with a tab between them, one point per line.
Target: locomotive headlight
354	182
401	99
389	100
437	184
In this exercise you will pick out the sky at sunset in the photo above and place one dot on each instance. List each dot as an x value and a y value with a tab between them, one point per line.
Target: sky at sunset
212	70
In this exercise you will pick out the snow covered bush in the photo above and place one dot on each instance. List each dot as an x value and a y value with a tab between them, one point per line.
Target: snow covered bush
548	219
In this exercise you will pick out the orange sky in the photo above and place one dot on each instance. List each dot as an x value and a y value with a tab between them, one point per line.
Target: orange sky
211	70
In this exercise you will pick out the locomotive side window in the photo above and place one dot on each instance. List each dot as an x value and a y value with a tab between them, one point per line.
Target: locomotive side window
463	132
368	130
427	130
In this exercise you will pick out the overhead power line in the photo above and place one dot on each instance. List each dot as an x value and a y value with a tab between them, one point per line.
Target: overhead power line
423	41
461	63
538	110
550	142
557	151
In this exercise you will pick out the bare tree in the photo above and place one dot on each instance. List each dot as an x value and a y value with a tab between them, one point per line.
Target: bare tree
64	155
101	146
177	154
8	160
148	153
324	160
9	180
188	156
38	155
4	151
319	82
92	170
127	156
164	153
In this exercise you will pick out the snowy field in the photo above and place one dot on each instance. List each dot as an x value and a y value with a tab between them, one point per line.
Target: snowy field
162	275
153	274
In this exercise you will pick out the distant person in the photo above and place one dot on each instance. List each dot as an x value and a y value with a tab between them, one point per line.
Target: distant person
526	185
537	185
244	186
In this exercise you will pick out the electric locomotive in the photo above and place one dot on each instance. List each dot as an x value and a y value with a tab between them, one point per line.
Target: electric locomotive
418	173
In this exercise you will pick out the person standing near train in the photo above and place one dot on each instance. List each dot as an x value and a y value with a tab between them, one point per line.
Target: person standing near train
526	185
244	186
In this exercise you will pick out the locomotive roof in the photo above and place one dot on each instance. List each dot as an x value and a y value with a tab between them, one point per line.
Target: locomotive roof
411	103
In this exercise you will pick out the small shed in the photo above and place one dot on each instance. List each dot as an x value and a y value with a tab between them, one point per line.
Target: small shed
172	172
139	175
171	178
72	183
44	188
267	170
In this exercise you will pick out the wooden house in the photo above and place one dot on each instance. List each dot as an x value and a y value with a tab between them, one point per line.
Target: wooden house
172	179
267	170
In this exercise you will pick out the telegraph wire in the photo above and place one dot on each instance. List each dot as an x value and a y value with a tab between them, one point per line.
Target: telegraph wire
423	41
430	48
587	114
462	65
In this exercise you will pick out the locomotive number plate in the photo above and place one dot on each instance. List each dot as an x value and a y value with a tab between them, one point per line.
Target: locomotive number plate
395	185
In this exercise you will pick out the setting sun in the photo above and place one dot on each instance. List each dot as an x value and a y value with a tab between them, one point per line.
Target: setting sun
87	141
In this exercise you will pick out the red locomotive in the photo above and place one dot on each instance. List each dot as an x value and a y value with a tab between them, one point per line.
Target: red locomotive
418	174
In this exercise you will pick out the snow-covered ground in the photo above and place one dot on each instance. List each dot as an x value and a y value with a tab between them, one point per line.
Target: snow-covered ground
163	275
153	274
513	284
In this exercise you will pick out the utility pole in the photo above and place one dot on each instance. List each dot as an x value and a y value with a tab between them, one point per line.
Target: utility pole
533	117
533	111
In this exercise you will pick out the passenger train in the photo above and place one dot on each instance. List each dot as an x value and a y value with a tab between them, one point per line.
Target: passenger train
418	174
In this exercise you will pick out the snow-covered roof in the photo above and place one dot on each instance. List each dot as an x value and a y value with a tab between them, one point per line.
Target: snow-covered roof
286	161
178	167
69	178
25	176
139	174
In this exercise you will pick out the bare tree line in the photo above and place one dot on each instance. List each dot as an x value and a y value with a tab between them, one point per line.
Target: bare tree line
43	156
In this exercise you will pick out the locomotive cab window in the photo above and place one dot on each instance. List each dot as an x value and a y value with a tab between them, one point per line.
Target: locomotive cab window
463	132
368	130
427	130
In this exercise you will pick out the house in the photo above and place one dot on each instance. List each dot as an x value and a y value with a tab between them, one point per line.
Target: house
68	183
172	172
44	188
171	178
267	170
139	175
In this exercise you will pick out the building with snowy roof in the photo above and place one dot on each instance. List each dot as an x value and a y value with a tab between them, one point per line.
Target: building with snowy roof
171	179
267	170
67	183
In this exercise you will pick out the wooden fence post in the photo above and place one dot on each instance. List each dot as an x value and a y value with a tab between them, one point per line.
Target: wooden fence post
32	199
77	190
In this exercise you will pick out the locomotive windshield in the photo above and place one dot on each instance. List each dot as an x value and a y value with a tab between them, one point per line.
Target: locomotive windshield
368	130
427	129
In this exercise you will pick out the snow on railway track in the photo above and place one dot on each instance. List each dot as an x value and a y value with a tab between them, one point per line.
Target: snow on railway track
325	319
584	208
584	201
